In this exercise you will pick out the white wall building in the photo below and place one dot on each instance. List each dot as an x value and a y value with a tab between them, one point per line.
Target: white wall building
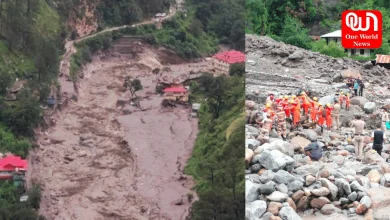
336	37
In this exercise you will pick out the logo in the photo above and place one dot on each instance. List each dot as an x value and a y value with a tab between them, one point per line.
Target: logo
361	29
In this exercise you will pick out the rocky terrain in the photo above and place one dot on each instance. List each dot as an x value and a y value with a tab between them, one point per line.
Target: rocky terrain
281	182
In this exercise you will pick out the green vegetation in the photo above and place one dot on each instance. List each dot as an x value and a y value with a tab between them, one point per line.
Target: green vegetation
217	160
285	21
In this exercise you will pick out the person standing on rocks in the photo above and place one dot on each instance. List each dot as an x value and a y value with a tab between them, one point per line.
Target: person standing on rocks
321	119
313	110
341	99
347	102
361	87
378	136
305	104
336	114
358	139
296	113
313	150
281	117
287	111
356	87
267	126
328	116
385	118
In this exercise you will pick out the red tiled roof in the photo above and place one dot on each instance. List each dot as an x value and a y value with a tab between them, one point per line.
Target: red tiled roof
9	163
175	89
231	57
380	58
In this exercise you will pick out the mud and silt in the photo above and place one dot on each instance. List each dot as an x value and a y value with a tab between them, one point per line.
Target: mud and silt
103	161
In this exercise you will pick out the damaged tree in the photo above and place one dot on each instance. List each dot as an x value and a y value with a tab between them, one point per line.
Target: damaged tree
133	85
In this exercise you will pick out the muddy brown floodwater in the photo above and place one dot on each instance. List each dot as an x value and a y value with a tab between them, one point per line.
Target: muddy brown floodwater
103	161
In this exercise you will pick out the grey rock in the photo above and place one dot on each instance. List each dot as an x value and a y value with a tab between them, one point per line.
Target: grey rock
387	177
273	160
368	65
252	144
277	197
355	186
344	201
297	55
326	99
361	195
288	213
353	196
251	191
282	188
267	189
295	186
254	210
310	134
366	201
255	178
310	180
350	148
255	168
283	176
268	175
254	131
266	216
369	107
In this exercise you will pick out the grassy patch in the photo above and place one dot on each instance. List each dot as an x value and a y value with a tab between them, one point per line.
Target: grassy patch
47	20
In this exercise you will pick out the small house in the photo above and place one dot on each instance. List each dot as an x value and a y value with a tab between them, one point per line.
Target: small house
221	62
383	60
14	90
176	94
336	37
10	164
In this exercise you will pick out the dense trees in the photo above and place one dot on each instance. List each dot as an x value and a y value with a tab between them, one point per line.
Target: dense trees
217	163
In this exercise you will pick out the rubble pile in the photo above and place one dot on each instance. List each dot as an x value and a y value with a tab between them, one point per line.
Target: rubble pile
281	181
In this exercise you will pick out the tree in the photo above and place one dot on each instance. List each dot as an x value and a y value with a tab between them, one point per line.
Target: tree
237	69
294	33
332	49
133	85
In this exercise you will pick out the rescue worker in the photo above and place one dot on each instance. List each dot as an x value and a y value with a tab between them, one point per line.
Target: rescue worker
336	114
266	128
296	113
347	102
328	117
270	99
313	110
385	118
281	117
320	117
341	99
287	111
305	104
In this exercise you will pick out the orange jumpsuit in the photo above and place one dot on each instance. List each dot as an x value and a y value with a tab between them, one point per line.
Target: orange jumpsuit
313	111
341	100
329	117
287	111
296	113
321	119
347	102
305	104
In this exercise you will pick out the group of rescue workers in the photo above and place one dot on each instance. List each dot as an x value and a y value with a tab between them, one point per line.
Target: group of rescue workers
289	109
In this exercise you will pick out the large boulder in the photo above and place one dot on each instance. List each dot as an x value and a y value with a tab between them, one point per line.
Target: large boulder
369	107
254	131
252	144
282	146
288	213
368	65
299	143
297	55
326	99
354	73
310	134
254	210
359	100
275	160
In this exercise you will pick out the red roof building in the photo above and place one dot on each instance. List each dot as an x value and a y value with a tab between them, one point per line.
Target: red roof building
175	89
10	163
221	61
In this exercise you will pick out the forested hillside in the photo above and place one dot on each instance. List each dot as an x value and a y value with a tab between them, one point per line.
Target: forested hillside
216	163
280	19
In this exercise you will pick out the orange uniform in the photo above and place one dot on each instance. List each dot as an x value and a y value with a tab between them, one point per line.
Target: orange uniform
296	113
305	104
328	117
341	99
287	110
347	102
313	111
321	119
